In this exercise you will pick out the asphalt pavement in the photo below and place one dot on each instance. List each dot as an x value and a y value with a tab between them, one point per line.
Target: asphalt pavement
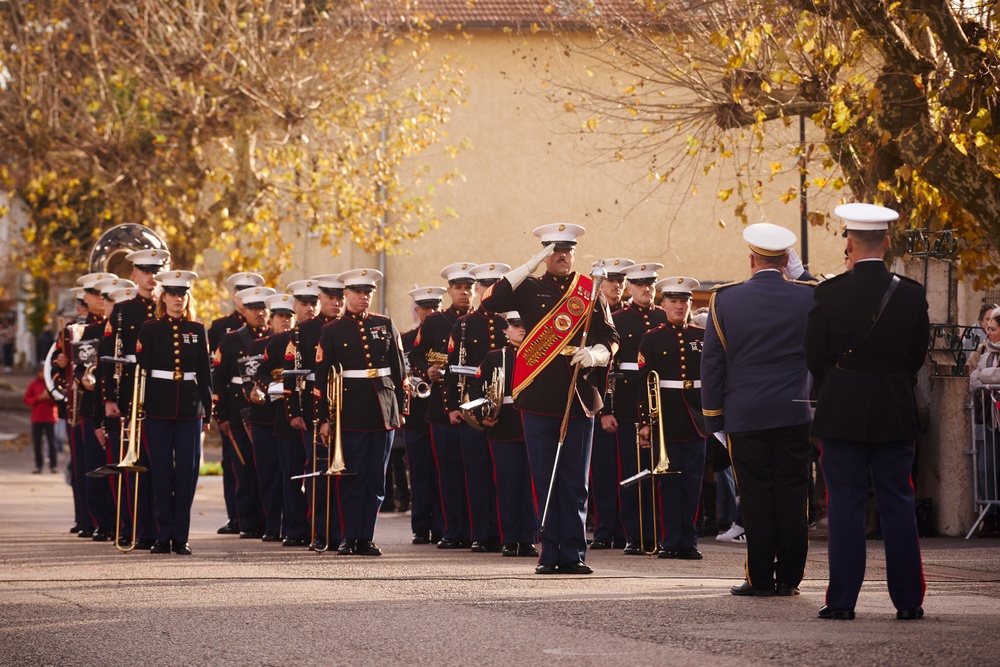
67	600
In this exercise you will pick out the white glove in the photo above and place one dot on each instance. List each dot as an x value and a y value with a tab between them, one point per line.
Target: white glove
516	276
794	268
595	355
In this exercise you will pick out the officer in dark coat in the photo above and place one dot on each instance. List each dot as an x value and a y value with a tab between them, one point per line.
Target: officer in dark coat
219	328
555	309
300	409
365	350
429	359
673	350
866	340
426	515
755	391
632	321
505	436
231	401
124	325
472	337
290	442
173	352
605	472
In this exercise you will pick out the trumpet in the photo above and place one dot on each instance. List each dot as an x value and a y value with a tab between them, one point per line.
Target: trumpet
417	387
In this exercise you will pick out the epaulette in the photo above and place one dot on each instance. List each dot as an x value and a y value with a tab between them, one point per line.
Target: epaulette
716	288
809	283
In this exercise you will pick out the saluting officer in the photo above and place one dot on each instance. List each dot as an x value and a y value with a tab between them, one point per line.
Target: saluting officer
230	401
634	319
219	328
555	308
430	359
426	515
124	324
173	351
515	503
754	391
604	465
365	349
301	412
673	350
262	408
472	337
288	441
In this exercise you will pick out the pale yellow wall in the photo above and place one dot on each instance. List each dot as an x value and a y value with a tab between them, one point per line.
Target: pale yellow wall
529	166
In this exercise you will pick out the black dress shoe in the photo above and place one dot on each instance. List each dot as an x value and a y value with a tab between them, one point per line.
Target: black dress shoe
182	549
578	567
86	533
478	547
435	538
295	542
836	614
509	549
546	569
101	535
366	548
420	539
271	538
689	553
785	590
619	543
346	547
160	548
318	544
231	528
75	528
632	549
445	543
527	549
250	535
910	614
667	553
746	589
124	540
600	544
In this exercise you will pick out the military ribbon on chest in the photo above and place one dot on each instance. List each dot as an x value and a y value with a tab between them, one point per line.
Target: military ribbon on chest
552	333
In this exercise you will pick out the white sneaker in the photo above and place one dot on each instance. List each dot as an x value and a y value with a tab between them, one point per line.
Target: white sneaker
740	539
731	535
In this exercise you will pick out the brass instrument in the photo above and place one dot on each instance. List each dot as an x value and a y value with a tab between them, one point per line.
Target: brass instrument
437	359
85	356
417	387
488	407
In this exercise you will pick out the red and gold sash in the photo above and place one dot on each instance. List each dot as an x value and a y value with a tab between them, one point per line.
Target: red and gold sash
549	337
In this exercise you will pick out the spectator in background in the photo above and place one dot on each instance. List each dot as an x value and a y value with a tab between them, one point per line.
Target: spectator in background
987	371
43	420
984	319
7	334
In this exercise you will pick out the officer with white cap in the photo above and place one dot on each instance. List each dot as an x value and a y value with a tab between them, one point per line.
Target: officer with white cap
364	348
562	310
231	400
755	390
173	352
429	358
613	287
866	340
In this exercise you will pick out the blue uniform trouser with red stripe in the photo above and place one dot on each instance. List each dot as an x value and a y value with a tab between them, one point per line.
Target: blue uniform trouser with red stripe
292	461
78	477
564	538
248	508
100	502
447	441
680	494
265	456
479	484
515	501
425	494
847	467
366	455
632	461
604	478
174	460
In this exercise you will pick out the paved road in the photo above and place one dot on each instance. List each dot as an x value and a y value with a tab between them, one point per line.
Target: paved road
71	601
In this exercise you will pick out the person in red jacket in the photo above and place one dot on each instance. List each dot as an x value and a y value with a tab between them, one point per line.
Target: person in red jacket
43	420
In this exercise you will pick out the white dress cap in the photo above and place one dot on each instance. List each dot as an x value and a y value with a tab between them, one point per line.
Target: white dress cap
243	280
511	315
427	297
280	303
768	240
361	279
642	271
561	233
255	297
106	286
330	282
677	286
176	282
304	288
489	271
77	292
615	266
865	217
89	281
120	294
459	272
149	258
